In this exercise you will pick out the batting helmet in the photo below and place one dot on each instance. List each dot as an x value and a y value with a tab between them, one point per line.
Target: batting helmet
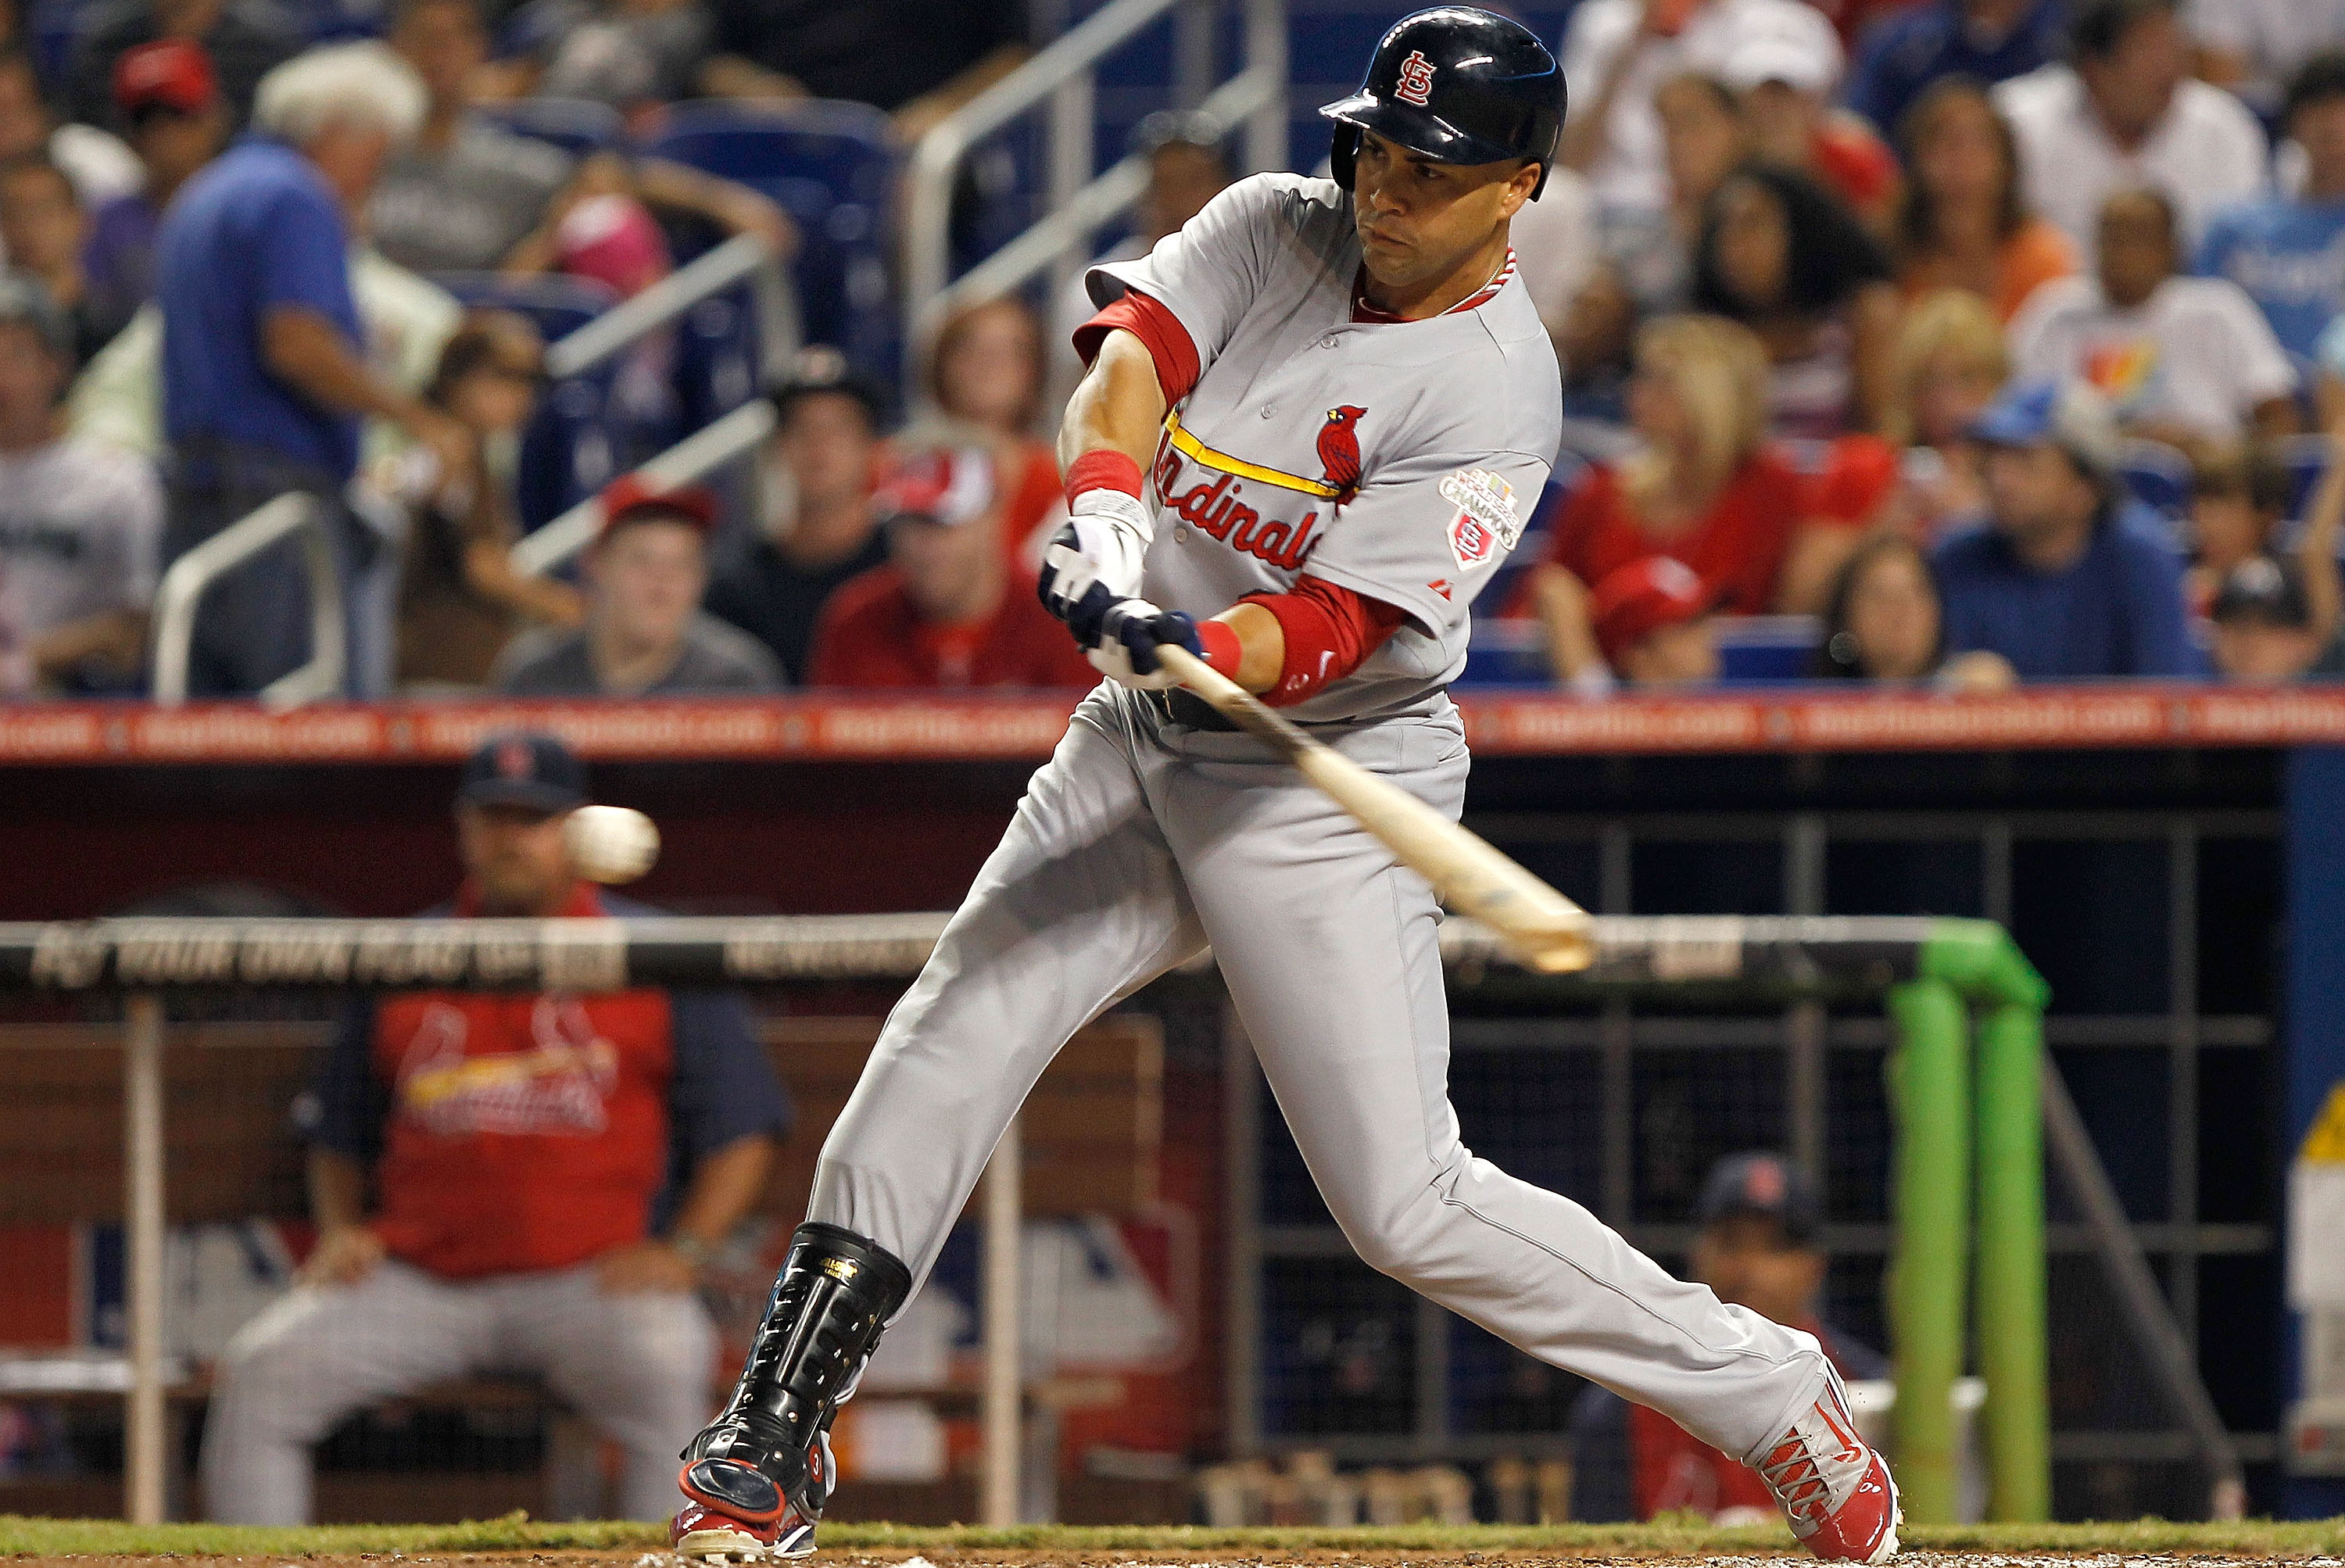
1458	85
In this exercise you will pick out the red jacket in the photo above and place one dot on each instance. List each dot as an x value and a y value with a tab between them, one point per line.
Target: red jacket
872	636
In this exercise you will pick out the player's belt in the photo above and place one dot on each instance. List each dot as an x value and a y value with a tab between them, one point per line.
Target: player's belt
1196	450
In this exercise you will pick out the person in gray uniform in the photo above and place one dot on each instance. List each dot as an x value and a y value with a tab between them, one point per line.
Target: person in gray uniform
1312	422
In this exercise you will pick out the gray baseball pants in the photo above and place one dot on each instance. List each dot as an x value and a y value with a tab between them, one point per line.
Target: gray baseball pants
636	1366
1137	845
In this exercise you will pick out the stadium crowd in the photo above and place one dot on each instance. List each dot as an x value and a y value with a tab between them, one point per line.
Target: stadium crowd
1998	337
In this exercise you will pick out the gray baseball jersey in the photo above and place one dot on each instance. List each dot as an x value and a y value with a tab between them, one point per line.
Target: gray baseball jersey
1145	840
1447	427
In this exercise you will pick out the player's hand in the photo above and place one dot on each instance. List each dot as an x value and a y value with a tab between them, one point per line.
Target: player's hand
345	1254
1131	631
1095	559
647	1267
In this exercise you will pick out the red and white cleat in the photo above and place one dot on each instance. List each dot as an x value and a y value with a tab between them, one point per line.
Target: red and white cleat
705	1535
1831	1486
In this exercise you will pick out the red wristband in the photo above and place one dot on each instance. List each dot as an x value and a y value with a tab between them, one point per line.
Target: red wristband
1105	469
1222	649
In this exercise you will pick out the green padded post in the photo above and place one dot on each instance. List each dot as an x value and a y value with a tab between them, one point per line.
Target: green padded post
1930	1100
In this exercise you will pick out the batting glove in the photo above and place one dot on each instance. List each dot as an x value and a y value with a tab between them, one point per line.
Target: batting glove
1131	631
1095	558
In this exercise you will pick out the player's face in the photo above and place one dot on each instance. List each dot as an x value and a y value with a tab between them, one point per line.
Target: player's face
1419	221
515	857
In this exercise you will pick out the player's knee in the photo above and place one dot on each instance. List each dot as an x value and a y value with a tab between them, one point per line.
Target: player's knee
1405	1242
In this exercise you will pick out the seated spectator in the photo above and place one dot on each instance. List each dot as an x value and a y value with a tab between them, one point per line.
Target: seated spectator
245	38
643	635
42	230
1963	224
818	530
1916	46
1617	53
1952	361
2127	112
2264	629
1653	623
1781	255
1786	90
631	55
1761	1245
2069	579
79	522
948	610
987	371
2289	251
266	377
2240	497
1883	622
1705	490
2255	47
98	163
2179	358
918	60
508	1184
460	598
170	109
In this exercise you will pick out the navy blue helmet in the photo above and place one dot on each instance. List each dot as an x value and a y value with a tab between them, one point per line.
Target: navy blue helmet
1459	86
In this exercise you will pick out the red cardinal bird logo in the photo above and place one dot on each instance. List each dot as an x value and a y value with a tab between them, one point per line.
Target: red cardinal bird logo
1339	449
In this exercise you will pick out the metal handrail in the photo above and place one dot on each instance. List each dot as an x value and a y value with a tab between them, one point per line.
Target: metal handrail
1064	74
694	458
183	588
744	256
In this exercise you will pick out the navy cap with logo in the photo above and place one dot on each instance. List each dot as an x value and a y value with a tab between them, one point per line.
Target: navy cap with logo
1768	1186
516	768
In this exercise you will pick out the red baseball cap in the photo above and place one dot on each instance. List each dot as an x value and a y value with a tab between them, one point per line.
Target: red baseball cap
951	485
176	73
631	495
1639	599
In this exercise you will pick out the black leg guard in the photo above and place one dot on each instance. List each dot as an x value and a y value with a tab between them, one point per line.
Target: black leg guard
834	1294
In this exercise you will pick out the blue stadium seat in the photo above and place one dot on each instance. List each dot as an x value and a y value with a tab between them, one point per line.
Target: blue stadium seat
2307	457
2159	478
829	165
572	448
577	125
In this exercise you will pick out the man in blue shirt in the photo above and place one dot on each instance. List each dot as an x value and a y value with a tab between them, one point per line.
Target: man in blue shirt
1991	40
265	379
2289	251
2069	579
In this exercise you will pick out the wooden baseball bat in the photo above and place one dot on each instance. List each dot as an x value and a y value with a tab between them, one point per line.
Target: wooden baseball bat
1546	931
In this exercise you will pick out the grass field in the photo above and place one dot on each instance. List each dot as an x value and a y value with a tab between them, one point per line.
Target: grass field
516	1537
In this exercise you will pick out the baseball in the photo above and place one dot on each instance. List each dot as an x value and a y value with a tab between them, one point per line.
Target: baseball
610	844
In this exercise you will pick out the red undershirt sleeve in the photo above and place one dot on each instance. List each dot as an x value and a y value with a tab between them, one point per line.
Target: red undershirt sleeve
1330	633
1169	343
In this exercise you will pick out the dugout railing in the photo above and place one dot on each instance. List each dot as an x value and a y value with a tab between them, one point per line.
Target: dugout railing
1967	1075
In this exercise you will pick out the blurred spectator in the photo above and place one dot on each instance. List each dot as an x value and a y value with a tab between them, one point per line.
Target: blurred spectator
1786	86
79	522
100	166
245	38
1951	362
1761	1247
818	530
1780	254
508	1183
1704	491
948	610
1963	224
644	635
1617	53
632	55
2070	579
264	378
1882	621
2127	112
1982	41
2240	497
43	230
460	598
2289	251
170	108
2264	630
2179	357
1652	622
918	60
2255	47
986	369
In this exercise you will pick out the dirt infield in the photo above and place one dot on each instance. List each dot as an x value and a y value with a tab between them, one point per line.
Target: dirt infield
947	1558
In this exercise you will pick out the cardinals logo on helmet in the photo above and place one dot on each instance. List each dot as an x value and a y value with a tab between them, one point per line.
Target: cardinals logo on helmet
1416	85
1339	449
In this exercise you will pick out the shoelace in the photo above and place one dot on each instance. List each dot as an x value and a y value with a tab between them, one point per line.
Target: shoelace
1792	1473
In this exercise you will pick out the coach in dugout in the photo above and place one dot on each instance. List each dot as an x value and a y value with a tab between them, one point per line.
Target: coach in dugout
548	1172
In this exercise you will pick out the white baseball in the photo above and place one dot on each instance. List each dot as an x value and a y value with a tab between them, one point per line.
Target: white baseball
610	844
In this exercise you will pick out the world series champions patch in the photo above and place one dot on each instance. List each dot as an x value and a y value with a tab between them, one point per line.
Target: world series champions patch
1486	522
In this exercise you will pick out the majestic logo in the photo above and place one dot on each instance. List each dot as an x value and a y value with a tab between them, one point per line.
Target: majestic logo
1486	522
1415	84
1339	449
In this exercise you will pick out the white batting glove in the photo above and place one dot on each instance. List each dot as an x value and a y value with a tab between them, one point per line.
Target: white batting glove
1096	558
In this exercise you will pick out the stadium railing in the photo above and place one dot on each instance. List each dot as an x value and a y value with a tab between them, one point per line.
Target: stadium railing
182	589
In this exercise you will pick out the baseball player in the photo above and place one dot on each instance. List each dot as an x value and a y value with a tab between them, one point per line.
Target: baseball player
1317	416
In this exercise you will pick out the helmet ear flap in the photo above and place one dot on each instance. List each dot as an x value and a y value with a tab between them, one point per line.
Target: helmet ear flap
1343	147
1545	165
